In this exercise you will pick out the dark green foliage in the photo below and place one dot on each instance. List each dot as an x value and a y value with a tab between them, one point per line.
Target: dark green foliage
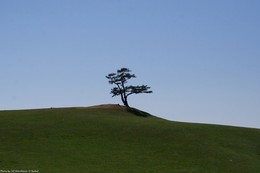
120	79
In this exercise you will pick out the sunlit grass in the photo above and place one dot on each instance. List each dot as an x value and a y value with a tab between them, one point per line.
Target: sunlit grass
114	140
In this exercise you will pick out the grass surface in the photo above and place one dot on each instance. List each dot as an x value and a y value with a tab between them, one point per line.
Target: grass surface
113	140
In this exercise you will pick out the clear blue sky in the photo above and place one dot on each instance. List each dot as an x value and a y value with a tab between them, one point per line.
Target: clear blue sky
201	58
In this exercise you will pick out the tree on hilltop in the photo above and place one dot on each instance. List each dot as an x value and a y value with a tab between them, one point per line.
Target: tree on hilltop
120	78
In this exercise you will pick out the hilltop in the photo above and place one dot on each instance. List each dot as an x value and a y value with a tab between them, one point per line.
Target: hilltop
108	138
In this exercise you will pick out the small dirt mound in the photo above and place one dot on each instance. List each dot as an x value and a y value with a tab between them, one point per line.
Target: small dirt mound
108	106
117	106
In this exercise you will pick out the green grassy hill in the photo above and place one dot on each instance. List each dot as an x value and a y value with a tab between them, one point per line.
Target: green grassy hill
110	139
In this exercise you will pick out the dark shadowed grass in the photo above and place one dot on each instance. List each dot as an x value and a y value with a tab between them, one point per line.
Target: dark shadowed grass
115	140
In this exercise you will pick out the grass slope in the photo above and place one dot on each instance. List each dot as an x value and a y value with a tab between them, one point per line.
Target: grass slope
114	140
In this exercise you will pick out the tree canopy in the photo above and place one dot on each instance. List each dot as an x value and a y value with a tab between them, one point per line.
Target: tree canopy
120	78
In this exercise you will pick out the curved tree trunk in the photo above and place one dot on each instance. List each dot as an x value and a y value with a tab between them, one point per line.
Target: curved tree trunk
124	96
124	100
126	103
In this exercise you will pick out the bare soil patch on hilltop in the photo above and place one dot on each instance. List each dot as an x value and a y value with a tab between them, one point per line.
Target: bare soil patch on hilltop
108	106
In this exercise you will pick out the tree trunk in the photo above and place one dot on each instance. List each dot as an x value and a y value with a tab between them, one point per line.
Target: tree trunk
126	103
124	100
124	96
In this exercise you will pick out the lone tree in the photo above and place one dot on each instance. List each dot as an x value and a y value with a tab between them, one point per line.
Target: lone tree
120	79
